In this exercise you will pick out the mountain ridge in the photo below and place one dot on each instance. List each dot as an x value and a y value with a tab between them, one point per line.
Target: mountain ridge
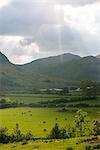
57	71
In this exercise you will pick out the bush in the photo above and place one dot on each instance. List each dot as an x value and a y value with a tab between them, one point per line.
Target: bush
55	132
17	135
81	122
4	138
45	130
29	135
96	127
96	146
88	147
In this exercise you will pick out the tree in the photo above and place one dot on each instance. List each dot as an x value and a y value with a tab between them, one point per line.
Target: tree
89	89
96	127
55	132
70	132
2	100
29	135
17	135
4	138
81	122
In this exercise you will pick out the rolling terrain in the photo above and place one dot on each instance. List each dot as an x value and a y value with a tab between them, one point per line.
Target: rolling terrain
52	72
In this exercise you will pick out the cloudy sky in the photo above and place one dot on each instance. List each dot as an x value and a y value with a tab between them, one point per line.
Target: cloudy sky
31	29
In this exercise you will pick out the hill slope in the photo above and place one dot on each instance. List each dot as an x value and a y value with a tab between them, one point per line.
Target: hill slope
57	71
72	67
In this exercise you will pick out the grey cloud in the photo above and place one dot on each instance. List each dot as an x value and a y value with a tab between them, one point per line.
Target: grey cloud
26	41
66	38
38	23
76	2
25	18
57	38
73	2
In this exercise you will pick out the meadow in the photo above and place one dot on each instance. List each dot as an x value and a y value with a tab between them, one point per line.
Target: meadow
32	98
41	120
38	119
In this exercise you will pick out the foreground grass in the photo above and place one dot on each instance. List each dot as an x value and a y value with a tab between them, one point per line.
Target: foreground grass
75	143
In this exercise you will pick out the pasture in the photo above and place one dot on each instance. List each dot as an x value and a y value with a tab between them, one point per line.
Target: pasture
38	119
32	98
41	120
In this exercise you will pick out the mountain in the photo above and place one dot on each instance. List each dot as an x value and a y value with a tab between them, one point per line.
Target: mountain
98	56
52	72
3	59
54	60
71	68
15	78
45	65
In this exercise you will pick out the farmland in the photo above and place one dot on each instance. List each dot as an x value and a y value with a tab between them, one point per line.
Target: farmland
32	98
32	118
41	120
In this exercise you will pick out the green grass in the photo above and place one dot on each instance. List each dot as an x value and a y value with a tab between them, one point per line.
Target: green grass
32	98
47	145
9	117
33	120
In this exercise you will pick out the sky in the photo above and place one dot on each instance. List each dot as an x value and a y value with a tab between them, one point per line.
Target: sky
32	29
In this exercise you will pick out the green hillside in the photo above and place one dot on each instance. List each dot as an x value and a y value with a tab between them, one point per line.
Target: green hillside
53	72
71	68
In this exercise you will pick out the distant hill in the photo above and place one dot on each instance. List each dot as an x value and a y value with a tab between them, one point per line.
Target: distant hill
54	60
98	56
57	71
72	67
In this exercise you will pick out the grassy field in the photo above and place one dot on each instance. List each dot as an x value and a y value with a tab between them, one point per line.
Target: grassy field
35	98
49	145
32	98
33	118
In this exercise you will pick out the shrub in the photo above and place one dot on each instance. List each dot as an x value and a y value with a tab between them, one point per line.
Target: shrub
17	135
88	147
55	132
96	146
4	138
45	130
70	132
96	127
29	135
81	122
